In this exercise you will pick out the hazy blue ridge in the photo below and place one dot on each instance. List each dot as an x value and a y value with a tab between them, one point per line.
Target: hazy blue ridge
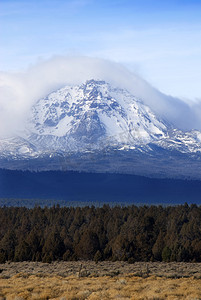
70	187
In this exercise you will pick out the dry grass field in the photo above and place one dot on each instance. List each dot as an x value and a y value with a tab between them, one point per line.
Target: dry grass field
105	280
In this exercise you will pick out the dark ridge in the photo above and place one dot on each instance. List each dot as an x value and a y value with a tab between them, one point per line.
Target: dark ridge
97	188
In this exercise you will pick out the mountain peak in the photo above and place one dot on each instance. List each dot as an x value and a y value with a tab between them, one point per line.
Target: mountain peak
91	113
95	82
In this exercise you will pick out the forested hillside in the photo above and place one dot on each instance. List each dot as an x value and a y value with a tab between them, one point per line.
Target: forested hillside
130	233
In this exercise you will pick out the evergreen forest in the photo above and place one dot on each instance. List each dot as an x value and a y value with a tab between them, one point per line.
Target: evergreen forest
147	233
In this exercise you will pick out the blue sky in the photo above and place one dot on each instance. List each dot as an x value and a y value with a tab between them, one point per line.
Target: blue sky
160	40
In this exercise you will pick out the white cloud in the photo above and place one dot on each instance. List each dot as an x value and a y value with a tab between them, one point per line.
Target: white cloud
18	91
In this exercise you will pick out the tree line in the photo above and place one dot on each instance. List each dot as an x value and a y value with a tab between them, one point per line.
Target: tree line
147	233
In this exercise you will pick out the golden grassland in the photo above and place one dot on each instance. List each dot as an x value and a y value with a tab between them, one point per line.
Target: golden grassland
23	286
105	280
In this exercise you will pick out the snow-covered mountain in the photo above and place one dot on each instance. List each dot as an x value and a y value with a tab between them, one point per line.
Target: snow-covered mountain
96	117
92	115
